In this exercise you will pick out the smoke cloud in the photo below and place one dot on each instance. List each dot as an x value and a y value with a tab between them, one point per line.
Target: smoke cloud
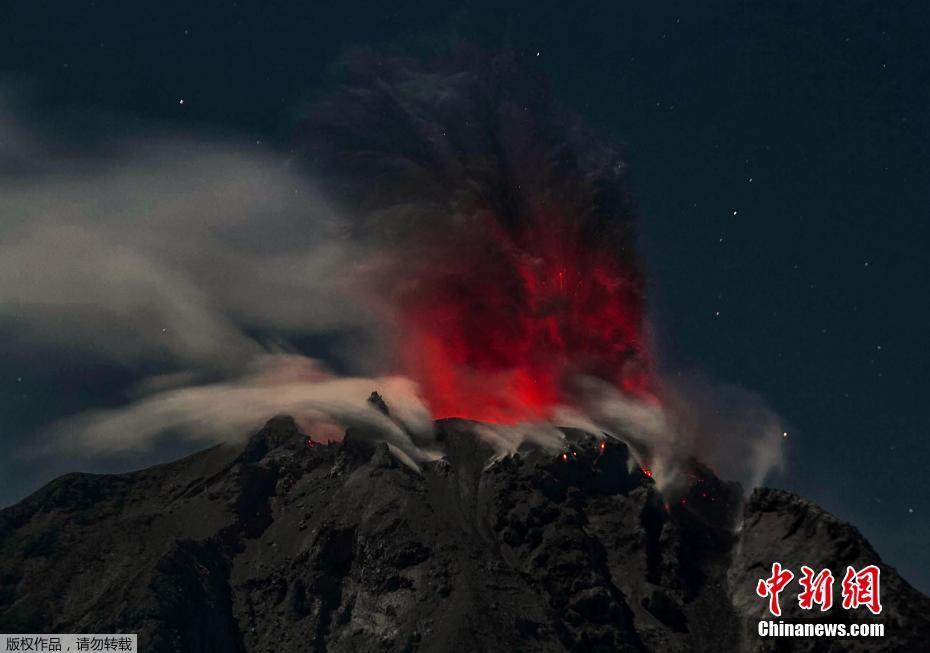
278	384
730	429
168	249
476	238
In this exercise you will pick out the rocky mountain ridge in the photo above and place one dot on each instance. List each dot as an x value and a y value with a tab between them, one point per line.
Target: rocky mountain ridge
277	545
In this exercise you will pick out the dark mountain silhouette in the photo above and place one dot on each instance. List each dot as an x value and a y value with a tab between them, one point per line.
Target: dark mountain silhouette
274	545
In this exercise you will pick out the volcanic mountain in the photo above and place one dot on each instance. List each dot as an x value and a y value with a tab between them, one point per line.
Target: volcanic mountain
283	544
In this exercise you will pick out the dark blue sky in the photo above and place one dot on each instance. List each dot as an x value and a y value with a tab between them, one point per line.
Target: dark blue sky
779	154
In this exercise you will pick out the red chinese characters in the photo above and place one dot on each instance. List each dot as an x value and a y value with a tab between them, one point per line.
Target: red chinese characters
862	589
817	589
859	588
773	586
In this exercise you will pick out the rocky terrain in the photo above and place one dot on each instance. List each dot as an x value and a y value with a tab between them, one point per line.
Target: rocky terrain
276	545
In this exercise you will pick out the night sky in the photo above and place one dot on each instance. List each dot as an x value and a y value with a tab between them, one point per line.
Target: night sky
779	156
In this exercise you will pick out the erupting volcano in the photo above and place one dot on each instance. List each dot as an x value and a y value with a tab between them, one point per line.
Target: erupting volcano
501	227
496	475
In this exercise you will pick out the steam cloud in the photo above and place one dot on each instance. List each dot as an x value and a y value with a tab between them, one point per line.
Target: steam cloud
206	258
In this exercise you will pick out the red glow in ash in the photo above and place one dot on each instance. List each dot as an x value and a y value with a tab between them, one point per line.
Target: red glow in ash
646	471
498	320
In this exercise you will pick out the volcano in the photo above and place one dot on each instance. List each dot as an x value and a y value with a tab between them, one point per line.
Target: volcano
280	543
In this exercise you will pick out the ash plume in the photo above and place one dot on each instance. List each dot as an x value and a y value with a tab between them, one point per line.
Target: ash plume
505	229
477	237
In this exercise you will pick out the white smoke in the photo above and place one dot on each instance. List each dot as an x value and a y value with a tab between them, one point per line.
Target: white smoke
226	411
725	427
171	252
169	249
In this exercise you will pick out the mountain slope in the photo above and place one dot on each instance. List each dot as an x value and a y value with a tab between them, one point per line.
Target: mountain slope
340	547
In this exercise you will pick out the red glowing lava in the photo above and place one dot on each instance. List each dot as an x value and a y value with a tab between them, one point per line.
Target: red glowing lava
499	319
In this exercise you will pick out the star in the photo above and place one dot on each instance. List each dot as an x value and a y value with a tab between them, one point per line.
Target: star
181	101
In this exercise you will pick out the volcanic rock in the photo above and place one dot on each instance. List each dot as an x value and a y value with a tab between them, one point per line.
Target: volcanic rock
274	545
